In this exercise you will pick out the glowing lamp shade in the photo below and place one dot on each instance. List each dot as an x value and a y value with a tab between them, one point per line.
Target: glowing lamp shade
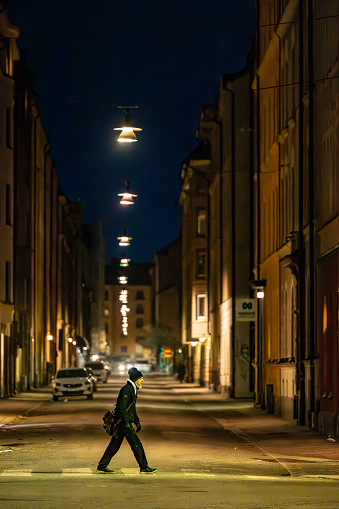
124	240
124	262
49	337
127	134
260	294
194	343
127	198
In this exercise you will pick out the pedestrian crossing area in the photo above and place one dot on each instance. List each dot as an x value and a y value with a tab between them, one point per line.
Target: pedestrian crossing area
162	474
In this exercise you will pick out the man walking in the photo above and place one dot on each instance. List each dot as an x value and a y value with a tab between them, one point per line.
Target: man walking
126	411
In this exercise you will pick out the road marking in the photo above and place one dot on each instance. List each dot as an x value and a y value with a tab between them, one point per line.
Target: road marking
76	471
163	474
16	473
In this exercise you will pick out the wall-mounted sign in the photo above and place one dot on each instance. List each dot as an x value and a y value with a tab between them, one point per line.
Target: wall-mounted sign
245	310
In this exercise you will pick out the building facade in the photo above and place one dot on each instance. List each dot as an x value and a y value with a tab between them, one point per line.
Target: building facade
128	310
271	192
48	309
167	302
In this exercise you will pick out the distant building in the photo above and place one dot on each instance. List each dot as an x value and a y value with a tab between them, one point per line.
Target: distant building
128	309
94	240
167	298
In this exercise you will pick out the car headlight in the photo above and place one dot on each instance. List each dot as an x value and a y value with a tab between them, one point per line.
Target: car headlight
57	384
121	367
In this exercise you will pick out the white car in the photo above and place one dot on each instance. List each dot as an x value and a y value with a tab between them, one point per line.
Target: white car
100	370
72	382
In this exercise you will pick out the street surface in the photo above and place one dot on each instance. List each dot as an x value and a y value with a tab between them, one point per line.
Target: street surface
209	452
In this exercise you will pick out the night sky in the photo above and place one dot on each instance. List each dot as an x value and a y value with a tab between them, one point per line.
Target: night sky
167	57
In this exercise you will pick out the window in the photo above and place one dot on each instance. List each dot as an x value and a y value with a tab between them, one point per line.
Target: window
201	264
140	295
140	309
123	349
201	184
9	133
106	294
201	306
8	282
140	323
106	328
201	222
8	205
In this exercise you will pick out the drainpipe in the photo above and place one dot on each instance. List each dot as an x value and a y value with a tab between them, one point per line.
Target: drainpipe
311	206
233	229
301	260
259	374
34	222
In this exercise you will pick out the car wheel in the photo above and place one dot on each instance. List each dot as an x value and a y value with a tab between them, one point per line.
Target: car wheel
55	398
90	396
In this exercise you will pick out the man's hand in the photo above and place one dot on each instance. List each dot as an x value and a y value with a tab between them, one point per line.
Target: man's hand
138	425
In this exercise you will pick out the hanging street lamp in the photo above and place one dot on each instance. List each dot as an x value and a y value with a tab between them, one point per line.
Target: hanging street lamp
127	134
124	240
126	196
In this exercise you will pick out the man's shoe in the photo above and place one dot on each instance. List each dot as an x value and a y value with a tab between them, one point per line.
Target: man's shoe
105	471
147	470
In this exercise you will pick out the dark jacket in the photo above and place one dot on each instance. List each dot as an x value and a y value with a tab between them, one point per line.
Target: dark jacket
126	396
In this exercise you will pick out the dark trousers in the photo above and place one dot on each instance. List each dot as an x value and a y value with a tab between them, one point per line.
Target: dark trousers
115	443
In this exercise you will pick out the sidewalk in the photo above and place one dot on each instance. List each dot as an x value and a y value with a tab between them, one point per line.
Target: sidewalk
18	407
271	434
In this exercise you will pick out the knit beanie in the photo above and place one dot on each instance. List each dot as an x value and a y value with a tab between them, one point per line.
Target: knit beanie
134	374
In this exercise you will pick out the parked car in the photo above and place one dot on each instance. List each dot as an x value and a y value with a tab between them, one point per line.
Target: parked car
143	365
93	378
99	370
72	382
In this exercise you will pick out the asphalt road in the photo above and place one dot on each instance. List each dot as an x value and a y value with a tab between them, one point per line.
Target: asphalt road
48	457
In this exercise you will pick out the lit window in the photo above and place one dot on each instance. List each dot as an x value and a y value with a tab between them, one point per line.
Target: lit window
201	264
201	222
201	306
